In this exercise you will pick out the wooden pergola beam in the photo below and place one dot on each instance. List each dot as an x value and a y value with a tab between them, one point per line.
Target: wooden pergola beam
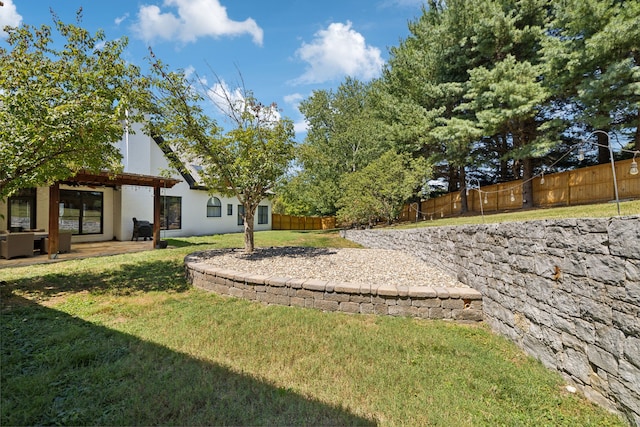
105	179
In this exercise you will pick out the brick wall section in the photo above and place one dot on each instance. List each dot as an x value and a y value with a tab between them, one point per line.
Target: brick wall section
566	291
459	304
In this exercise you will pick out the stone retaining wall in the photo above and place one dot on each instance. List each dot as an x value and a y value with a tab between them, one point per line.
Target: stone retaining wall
566	291
460	304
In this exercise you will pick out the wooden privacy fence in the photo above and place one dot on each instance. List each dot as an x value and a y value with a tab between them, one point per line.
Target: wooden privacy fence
290	222
576	187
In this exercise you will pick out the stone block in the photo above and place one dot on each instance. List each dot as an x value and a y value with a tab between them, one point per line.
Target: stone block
399	310
403	301
304	293
624	235
387	290
610	339
255	279
347	288
422	292
602	359
277	281
273	298
367	308
336	296
236	292
630	376
314	285
326	305
278	290
349	307
381	309
297	302
295	283
436	313
360	298
456	304
249	294
632	350
467	315
469	294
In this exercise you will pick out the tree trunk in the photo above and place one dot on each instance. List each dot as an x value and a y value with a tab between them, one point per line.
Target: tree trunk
464	205
248	230
603	148
454	179
527	186
637	135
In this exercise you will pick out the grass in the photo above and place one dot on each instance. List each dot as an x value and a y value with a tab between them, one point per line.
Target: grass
123	340
583	211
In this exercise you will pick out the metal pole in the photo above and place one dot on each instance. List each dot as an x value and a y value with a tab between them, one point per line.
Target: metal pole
613	165
615	181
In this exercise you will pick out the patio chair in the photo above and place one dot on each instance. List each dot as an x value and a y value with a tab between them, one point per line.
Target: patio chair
64	243
17	244
142	229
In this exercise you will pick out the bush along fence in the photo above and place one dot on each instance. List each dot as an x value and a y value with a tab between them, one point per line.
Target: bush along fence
290	222
592	184
566	291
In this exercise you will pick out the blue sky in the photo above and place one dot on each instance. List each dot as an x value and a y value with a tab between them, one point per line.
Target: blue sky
283	49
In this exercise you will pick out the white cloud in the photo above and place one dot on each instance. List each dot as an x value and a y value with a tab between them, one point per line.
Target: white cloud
8	16
301	127
293	99
122	18
224	98
336	52
194	19
402	3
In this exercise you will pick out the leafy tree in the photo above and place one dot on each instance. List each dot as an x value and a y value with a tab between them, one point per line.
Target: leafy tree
506	100
245	161
438	69
61	109
343	137
381	188
594	64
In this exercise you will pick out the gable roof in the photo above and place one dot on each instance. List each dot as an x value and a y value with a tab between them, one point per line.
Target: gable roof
188	172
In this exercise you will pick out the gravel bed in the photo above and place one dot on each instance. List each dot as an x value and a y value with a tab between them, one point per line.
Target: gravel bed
368	266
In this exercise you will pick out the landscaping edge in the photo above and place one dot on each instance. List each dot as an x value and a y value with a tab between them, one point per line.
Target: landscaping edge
458	304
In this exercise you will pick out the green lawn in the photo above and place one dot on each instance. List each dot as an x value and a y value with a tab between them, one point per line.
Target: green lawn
600	210
123	340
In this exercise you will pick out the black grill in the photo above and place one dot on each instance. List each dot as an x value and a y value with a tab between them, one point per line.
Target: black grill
142	229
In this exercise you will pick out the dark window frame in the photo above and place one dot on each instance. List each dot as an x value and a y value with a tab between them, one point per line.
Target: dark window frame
229	209
171	212
28	196
78	200
214	208
240	215
263	214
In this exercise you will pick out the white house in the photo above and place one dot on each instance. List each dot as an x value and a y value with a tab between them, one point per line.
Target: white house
106	212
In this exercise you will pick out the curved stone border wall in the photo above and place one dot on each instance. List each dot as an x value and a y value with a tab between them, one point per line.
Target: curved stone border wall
566	291
460	304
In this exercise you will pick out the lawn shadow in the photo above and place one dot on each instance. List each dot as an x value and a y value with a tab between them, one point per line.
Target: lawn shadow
59	369
122	279
263	253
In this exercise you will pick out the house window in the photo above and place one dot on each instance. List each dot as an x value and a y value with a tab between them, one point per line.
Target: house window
22	210
229	209
214	207
170	213
240	215
263	214
81	212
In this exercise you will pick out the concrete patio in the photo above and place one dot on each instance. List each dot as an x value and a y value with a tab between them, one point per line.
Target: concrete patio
82	250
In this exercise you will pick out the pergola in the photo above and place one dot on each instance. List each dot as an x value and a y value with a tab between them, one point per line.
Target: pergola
105	179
